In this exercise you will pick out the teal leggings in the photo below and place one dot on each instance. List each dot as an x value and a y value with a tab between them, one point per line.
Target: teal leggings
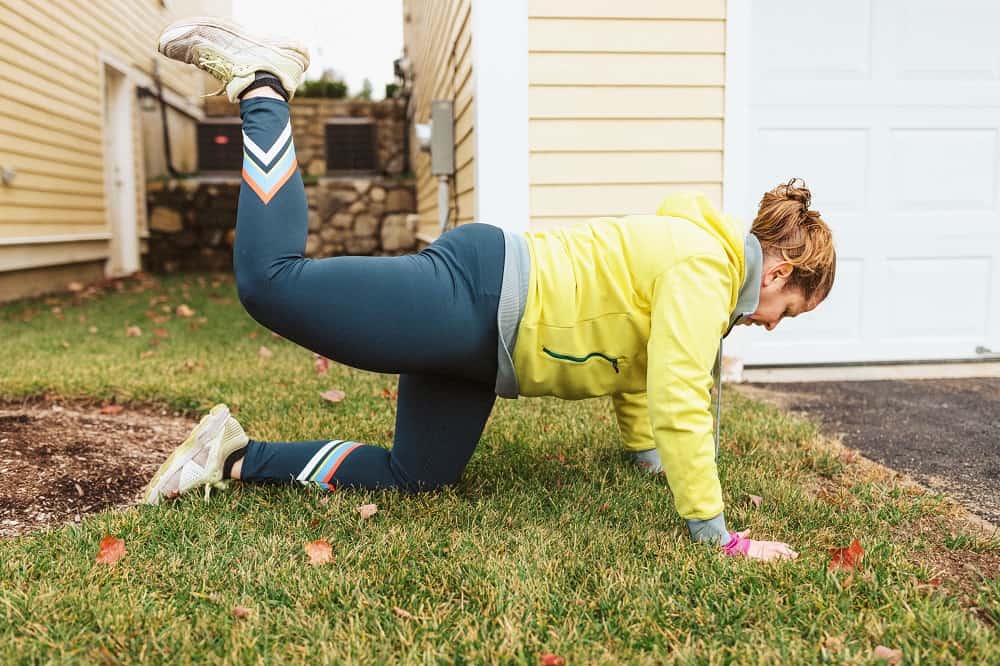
429	317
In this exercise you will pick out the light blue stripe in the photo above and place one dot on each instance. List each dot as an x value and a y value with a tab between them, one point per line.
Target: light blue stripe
331	460
266	180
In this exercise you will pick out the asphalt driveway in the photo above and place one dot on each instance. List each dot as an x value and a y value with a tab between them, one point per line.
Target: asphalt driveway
945	433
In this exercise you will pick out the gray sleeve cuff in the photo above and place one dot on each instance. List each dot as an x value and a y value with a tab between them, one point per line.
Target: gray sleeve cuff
712	530
648	460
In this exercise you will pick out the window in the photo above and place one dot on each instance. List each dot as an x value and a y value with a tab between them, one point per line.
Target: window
220	145
351	145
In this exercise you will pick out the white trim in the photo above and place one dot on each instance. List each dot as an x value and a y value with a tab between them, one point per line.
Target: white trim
500	72
63	238
191	106
736	198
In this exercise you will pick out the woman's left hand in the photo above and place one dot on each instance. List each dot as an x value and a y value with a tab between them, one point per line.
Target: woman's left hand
739	544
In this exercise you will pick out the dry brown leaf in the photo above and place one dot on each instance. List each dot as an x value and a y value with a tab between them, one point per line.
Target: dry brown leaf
848	558
184	311
390	394
110	550
240	612
133	332
319	551
92	330
891	656
161	333
333	395
367	510
549	659
112	410
321	363
406	615
264	352
756	500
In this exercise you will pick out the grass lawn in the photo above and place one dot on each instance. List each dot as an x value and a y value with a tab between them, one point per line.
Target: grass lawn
551	543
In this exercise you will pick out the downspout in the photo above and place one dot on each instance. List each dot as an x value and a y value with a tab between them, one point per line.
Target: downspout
167	153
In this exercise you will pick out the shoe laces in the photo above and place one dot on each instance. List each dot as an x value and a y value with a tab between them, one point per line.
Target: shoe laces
218	67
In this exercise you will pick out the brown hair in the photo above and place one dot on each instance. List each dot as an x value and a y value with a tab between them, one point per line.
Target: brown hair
787	229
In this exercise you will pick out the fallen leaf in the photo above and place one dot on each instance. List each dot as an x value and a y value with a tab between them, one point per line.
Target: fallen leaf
264	352
240	612
333	395
848	558
133	332
406	615
112	410
390	394
549	659
833	643
252	335
891	656
161	333
184	311
321	363
65	344
314	522
92	330
367	510
319	551
756	500
110	550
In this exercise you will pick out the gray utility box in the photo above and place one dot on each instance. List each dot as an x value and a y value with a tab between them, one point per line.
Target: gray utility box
442	138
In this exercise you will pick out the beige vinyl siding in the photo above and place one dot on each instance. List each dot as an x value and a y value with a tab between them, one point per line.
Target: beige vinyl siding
626	105
52	116
438	40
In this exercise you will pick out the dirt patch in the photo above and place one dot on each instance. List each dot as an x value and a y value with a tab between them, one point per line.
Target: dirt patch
59	463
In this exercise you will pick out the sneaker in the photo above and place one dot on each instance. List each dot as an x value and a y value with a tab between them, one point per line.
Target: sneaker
230	54
199	459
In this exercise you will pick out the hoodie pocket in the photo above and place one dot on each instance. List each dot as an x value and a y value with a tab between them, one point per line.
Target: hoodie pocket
613	360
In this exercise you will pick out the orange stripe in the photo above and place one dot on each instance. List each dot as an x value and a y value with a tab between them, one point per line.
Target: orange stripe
340	462
267	196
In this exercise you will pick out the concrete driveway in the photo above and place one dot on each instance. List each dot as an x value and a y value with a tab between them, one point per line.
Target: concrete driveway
945	433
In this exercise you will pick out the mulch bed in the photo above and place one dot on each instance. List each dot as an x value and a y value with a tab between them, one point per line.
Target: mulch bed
59	463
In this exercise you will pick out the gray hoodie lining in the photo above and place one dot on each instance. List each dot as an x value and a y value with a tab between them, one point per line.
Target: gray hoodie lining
513	298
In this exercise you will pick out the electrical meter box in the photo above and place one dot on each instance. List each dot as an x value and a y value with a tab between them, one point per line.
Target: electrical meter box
442	138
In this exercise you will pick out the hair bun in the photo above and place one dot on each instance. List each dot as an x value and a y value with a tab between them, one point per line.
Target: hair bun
794	192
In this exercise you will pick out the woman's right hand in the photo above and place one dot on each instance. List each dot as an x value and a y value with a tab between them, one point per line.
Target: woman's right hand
739	544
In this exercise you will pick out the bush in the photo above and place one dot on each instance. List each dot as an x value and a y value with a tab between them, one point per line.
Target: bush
323	88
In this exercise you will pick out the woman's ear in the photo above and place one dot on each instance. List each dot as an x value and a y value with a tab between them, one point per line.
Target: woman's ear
779	270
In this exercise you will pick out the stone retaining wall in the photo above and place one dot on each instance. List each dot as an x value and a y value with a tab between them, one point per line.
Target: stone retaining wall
192	221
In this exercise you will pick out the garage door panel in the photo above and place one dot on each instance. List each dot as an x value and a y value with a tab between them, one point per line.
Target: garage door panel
944	169
954	40
938	298
833	161
788	45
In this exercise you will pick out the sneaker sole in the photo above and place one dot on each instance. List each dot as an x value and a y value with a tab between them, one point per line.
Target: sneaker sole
210	426
284	49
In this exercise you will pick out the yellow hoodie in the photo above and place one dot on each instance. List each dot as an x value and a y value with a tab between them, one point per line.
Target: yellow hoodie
634	307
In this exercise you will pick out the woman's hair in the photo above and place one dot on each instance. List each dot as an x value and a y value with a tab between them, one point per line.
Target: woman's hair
787	229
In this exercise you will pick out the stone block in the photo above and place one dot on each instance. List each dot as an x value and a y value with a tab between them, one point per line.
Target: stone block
365	225
316	167
377	194
312	245
400	200
358	207
361	186
315	221
360	245
342	221
165	220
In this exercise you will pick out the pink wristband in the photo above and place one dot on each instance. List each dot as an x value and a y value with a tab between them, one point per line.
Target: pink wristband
738	545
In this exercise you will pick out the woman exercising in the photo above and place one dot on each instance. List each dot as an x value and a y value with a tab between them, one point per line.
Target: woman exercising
629	307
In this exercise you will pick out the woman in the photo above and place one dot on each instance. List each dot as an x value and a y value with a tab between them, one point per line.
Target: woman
633	308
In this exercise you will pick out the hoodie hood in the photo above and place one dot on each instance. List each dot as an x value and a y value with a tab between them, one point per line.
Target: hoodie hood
696	208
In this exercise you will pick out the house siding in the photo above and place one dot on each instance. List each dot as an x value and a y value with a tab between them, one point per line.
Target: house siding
626	105
438	41
52	120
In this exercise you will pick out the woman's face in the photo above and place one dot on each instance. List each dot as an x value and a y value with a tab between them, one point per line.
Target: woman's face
777	300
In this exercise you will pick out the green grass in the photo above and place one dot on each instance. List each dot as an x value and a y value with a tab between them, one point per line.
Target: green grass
550	543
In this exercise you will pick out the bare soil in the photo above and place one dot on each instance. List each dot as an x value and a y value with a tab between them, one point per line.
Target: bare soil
59	463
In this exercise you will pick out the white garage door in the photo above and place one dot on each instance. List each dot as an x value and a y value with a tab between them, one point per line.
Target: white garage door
890	110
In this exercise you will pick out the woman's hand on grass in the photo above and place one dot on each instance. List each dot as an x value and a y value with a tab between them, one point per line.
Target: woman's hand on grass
758	550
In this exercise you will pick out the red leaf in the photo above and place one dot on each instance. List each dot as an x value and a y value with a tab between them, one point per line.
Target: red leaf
333	395
367	510
319	551
756	500
321	363
110	550
113	410
891	656
390	394
848	558
549	659
240	612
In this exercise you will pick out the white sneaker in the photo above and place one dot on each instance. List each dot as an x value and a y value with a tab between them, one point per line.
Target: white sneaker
198	461
227	52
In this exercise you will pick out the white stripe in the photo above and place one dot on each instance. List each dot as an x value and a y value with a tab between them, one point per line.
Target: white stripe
279	143
317	457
